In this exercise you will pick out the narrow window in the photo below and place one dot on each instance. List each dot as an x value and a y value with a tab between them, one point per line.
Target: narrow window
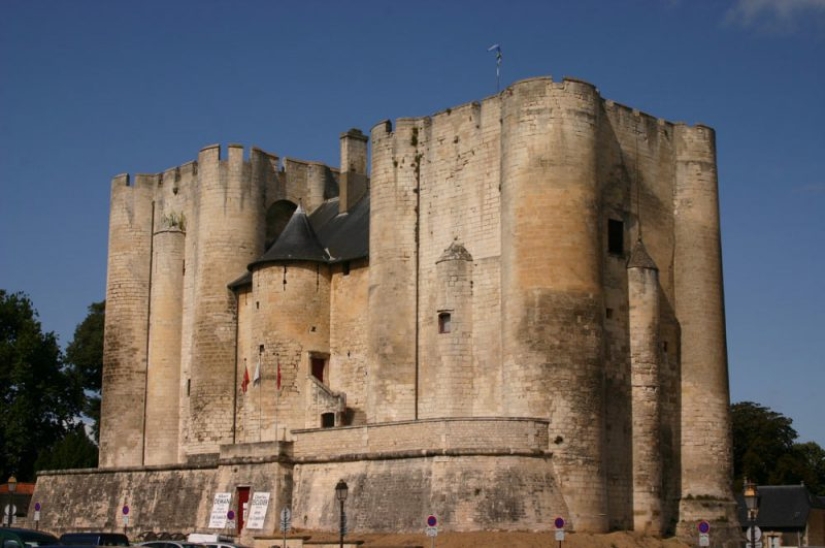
615	237
345	268
318	366
444	320
609	313
327	420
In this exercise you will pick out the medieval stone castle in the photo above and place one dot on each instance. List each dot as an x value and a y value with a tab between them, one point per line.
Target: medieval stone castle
506	312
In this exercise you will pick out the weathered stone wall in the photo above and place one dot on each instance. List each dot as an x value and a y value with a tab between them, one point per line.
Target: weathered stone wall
460	371
159	499
465	471
348	344
165	499
496	213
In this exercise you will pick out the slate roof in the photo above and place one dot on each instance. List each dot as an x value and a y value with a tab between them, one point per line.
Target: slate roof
297	242
781	507
639	257
346	236
326	236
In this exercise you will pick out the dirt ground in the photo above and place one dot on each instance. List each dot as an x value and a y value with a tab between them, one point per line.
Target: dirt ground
510	540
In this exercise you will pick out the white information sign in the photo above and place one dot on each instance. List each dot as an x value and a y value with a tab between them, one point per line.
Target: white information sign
220	507
257	510
704	539
560	535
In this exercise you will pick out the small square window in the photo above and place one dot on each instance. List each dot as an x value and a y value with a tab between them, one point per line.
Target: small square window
444	320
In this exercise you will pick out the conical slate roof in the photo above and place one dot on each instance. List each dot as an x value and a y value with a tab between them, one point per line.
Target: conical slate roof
346	236
297	242
639	257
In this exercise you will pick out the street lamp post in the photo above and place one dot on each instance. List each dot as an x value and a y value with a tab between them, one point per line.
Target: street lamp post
341	491
751	496
12	485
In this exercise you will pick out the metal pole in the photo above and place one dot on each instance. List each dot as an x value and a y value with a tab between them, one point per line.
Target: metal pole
342	524
752	529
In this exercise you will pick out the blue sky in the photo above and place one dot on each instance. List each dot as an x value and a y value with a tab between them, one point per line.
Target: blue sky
91	89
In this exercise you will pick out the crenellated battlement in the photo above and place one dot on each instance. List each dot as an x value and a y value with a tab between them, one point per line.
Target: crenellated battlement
541	187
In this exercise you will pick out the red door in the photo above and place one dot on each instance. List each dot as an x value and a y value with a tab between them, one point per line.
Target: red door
243	504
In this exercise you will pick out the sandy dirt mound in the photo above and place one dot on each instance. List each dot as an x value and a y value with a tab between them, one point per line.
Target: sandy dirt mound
510	540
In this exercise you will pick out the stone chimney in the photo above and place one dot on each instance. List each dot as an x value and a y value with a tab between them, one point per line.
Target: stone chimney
353	182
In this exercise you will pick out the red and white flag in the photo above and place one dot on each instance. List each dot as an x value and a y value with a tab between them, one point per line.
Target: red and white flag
245	381
257	378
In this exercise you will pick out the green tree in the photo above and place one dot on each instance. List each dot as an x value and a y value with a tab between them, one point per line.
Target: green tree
39	400
85	356
765	450
75	450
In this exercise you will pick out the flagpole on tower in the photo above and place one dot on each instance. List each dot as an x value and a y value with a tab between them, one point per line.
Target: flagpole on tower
497	48
256	380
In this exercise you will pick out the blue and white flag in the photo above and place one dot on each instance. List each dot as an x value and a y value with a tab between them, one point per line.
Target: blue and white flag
497	49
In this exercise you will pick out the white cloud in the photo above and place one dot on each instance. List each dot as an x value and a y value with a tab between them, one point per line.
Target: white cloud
777	15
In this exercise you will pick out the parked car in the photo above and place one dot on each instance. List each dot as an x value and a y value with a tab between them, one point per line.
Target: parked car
169	544
214	541
94	539
15	537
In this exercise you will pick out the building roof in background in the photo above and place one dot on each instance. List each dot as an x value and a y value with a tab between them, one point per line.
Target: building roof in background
782	507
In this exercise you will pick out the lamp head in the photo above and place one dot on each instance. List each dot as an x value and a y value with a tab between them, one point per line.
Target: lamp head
341	490
751	495
12	483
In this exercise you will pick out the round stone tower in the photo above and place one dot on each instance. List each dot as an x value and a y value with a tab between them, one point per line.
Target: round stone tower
291	293
230	232
392	389
706	455
127	321
643	305
551	290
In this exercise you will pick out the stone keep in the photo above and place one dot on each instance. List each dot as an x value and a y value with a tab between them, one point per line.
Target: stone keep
516	313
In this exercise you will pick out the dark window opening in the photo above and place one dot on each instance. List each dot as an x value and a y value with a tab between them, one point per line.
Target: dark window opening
609	313
444	322
345	268
318	367
327	420
615	237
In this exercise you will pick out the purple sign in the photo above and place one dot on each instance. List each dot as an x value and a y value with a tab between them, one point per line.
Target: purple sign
125	510
36	506
704	526
230	515
559	523
431	521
